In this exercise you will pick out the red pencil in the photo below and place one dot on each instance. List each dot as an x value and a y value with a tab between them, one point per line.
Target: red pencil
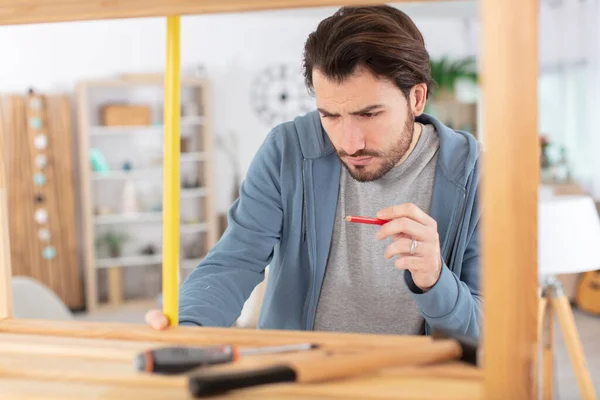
365	220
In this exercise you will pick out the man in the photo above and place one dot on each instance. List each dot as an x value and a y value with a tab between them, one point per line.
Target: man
369	150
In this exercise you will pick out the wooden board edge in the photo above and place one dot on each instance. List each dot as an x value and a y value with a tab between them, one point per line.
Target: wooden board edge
42	11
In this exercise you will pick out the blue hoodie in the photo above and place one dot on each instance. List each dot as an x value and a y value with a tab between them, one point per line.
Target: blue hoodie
284	218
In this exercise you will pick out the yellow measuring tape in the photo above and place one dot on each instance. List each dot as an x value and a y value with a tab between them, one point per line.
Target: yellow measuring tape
171	182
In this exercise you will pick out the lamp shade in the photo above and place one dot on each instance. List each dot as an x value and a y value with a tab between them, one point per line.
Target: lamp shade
568	236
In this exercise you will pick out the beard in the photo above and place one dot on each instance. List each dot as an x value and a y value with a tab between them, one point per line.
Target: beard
384	160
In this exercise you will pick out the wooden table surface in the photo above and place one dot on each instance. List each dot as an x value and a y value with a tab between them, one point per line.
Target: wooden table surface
81	360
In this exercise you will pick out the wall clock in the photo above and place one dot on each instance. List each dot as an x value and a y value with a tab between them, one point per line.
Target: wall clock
278	94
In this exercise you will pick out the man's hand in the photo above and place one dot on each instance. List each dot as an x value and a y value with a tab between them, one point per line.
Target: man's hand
157	320
407	222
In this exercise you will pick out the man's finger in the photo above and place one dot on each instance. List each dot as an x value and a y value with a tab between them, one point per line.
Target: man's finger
406	226
401	247
409	262
157	320
408	210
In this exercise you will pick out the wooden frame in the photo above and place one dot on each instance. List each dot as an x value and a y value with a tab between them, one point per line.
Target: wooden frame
509	195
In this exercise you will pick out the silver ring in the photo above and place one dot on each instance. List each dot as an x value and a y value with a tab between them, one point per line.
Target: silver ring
413	247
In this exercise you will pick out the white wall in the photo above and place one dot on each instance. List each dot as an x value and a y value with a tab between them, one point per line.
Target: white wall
233	47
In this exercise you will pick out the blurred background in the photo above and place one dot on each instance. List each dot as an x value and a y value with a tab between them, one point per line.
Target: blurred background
82	131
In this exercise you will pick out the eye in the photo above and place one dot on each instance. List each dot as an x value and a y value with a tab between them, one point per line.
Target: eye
369	114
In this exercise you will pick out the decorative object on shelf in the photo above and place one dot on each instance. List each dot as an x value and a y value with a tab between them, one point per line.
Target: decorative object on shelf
126	115
191	183
446	73
41	216
49	252
35	123
44	234
127	166
113	242
231	146
278	94
39	179
544	156
149	249
444	102
35	103
41	161
129	198
40	141
554	163
98	161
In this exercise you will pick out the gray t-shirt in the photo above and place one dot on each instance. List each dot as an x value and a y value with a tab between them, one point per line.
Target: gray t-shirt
362	291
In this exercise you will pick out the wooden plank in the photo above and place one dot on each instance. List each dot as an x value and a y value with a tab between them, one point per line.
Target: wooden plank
510	190
36	11
371	387
63	151
100	367
71	369
203	335
30	389
40	345
19	182
55	197
5	260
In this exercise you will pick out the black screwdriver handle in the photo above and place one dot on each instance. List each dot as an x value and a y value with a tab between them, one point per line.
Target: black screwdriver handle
176	360
206	383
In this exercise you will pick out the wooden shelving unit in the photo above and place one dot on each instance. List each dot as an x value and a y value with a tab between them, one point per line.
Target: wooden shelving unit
133	156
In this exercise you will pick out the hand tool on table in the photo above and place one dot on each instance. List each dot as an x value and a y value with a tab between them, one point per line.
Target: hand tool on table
176	360
319	369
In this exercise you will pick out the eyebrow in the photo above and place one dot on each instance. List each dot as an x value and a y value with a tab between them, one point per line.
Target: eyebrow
361	111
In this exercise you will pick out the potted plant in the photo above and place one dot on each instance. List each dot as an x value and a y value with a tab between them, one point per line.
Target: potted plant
445	73
113	242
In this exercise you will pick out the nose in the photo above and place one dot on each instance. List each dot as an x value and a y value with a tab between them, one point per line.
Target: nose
352	138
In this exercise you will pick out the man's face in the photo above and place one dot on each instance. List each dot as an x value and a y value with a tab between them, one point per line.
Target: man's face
369	122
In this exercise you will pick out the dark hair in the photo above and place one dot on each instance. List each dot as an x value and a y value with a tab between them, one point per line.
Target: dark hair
382	38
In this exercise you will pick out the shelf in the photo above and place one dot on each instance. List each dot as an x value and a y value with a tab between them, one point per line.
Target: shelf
120	174
128	218
193	156
142	173
100	130
192	193
131	261
193	228
136	261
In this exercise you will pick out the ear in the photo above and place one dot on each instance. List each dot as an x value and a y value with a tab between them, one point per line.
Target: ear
418	97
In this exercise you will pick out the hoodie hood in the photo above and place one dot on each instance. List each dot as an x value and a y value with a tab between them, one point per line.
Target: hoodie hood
458	155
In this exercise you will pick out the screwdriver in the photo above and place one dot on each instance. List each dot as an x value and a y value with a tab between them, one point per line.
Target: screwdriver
176	360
